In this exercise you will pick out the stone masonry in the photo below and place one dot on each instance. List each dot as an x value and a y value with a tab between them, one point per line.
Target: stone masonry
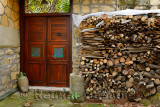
9	46
82	7
9	68
9	13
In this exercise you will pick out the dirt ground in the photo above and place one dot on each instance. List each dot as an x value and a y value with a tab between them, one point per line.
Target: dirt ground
15	100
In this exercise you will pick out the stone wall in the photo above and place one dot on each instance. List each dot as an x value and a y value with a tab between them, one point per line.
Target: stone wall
83	7
9	13
9	68
9	46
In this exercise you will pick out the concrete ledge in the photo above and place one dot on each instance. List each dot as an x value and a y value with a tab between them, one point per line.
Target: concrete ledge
8	93
9	37
48	88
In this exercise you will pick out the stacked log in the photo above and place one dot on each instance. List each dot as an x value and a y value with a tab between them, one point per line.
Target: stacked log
120	56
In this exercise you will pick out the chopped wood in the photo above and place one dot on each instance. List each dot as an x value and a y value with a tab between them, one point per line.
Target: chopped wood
120	56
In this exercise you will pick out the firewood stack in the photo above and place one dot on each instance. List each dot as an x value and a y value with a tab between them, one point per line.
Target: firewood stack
120	56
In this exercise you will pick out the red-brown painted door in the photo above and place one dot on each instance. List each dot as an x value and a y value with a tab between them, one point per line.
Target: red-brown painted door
57	53
35	50
47	51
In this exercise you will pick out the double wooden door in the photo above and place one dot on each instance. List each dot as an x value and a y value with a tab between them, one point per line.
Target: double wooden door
47	51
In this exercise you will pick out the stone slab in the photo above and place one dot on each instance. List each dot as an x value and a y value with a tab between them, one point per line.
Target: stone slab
8	94
77	85
31	88
9	37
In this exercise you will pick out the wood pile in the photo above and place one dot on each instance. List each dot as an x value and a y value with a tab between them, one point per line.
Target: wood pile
120	56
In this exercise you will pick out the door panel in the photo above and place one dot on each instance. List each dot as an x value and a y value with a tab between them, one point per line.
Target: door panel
35	50
57	75
58	29
36	73
36	29
57	60
58	52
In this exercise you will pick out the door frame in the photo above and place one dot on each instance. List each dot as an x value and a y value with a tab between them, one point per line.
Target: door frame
22	33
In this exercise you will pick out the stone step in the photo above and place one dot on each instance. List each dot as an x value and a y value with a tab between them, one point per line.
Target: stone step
43	88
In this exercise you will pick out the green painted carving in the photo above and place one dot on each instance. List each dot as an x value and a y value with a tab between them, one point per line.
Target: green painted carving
35	6
58	52
35	51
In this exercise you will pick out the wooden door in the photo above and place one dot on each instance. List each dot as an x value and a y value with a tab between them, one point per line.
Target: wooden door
46	51
35	50
57	53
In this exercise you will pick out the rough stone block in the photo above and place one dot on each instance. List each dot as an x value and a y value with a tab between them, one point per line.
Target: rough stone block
15	85
76	32
107	8
94	10
14	67
121	101
1	8
17	25
108	101
2	92
75	52
10	86
76	1
9	51
101	1
14	16
77	85
74	42
16	6
11	23
76	61
1	52
10	3
86	1
93	101
8	11
4	61
10	60
14	75
5	80
76	9
85	9
110	1
154	2
4	20
4	2
94	1
17	50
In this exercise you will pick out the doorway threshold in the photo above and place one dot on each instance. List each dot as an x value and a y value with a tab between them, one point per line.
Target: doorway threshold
43	88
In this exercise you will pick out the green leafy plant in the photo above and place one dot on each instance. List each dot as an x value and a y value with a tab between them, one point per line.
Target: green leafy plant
75	95
146	94
64	91
35	6
62	6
